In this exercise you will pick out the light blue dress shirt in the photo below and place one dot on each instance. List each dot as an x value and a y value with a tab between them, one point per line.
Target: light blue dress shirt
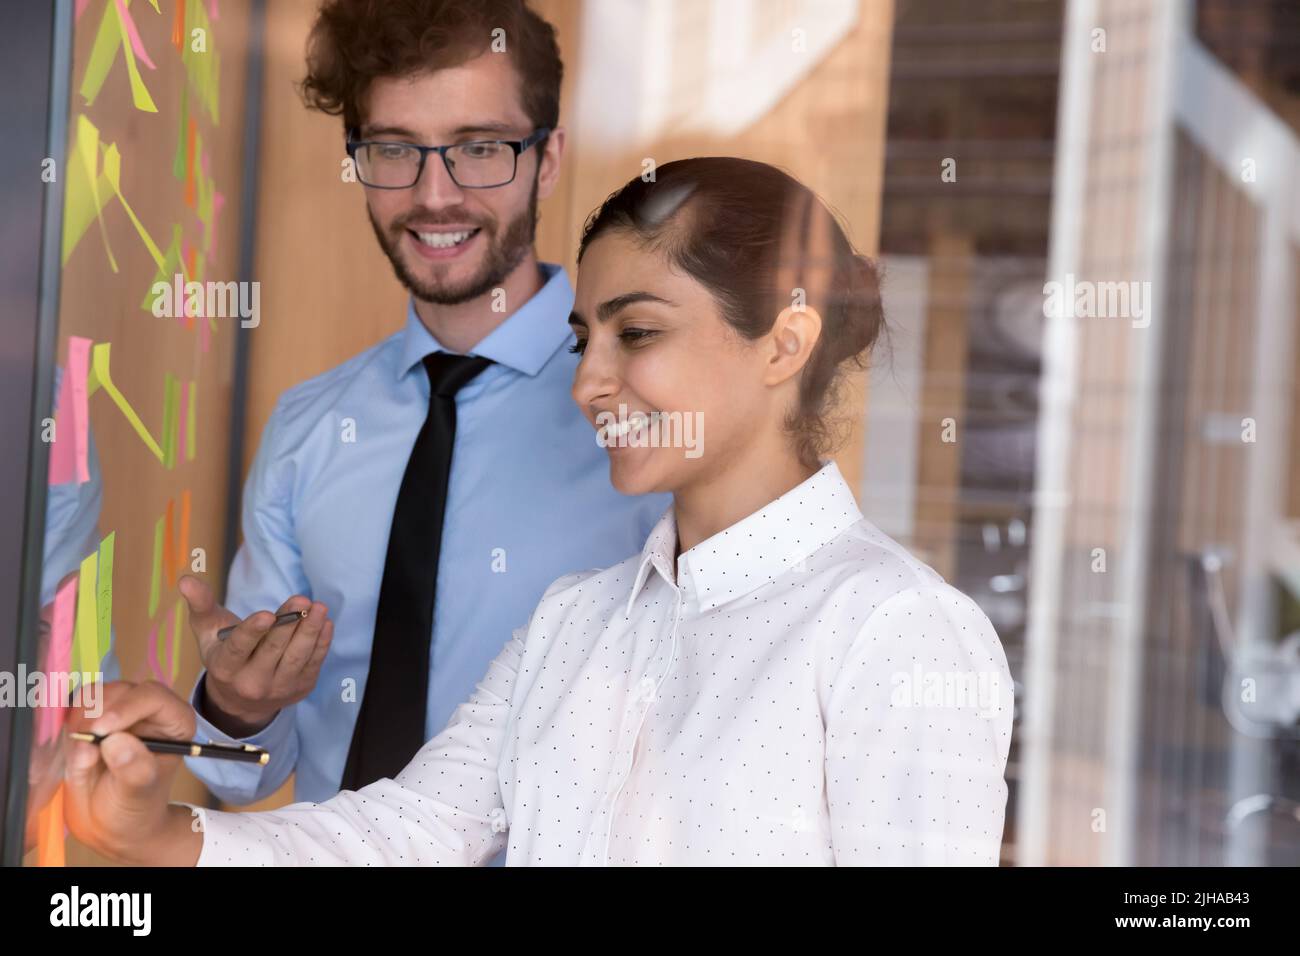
529	500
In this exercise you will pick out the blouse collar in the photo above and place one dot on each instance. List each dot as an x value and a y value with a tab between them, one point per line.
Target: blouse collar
756	549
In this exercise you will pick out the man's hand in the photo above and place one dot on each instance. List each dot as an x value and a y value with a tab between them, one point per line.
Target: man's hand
259	669
117	791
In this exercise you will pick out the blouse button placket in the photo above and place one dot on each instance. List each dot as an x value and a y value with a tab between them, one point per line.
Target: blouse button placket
633	721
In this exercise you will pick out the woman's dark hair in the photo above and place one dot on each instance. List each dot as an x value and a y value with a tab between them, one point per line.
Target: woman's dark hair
356	41
756	237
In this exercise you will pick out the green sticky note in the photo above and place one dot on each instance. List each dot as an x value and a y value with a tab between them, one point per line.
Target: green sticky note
155	580
179	158
191	430
104	598
85	643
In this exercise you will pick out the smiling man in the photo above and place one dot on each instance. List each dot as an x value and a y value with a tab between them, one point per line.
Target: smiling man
418	499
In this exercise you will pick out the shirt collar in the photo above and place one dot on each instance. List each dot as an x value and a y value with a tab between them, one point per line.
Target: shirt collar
756	549
525	341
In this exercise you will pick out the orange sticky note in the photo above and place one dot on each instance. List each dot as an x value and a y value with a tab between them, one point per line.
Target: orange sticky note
50	849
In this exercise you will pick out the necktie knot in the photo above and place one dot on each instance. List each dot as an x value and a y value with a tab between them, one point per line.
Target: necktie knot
448	373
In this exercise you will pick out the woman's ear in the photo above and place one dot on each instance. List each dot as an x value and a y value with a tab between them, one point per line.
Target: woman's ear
794	335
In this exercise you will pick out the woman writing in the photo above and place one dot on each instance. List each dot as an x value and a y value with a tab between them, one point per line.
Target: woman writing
772	680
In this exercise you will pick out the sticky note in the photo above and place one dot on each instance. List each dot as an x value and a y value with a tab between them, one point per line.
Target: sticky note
180	158
59	657
88	192
100	377
191	431
203	69
85	656
50	832
133	34
155	580
174	655
178	26
69	456
104	596
113	36
190	135
173	264
183	421
169	421
113	171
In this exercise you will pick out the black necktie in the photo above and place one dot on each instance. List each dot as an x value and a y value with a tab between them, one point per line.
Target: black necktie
390	726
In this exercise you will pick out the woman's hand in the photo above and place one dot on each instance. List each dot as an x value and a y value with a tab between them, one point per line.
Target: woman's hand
116	797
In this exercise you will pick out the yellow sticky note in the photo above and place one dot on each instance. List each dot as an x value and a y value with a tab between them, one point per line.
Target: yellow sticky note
85	642
111	37
113	172
104	597
88	191
155	579
100	378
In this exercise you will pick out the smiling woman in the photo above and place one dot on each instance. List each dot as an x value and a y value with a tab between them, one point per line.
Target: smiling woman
746	244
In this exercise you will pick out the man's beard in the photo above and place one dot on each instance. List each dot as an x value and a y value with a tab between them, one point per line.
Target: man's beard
504	253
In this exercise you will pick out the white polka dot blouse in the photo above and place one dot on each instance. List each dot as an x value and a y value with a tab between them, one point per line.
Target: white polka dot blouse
795	690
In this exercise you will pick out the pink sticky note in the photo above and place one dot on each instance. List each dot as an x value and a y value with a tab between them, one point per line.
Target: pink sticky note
63	454
81	8
136	43
71	416
212	11
50	717
79	369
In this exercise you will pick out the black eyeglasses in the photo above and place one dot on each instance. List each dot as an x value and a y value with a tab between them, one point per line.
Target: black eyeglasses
481	164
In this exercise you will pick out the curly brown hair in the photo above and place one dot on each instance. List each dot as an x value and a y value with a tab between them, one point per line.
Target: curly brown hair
355	41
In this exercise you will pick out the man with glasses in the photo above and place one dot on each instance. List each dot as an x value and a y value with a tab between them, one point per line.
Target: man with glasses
417	499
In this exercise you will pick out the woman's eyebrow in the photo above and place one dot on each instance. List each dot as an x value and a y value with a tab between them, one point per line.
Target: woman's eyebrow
611	306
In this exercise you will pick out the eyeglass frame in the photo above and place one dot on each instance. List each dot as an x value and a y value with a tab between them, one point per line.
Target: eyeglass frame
518	145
